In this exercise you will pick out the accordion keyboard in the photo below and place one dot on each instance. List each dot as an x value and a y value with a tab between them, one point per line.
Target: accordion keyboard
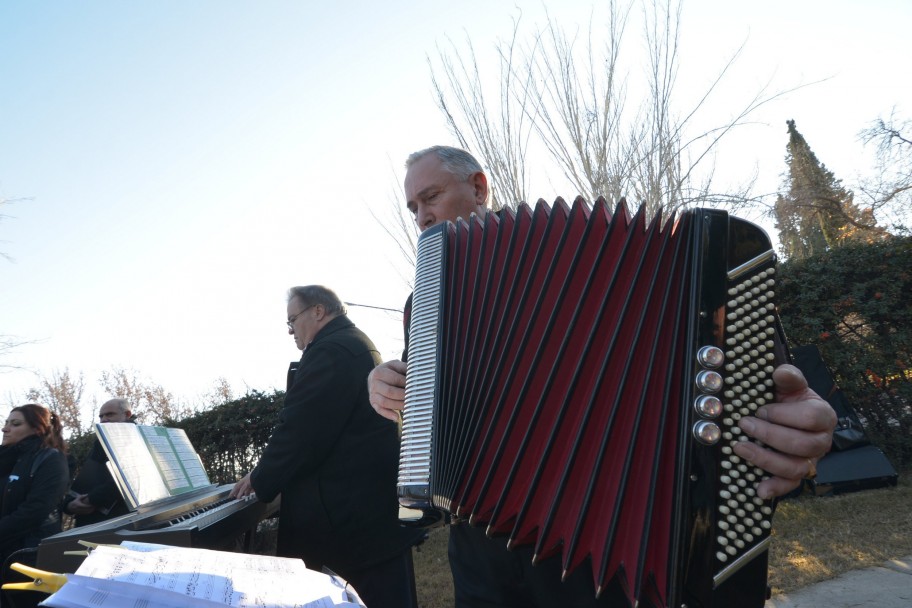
743	518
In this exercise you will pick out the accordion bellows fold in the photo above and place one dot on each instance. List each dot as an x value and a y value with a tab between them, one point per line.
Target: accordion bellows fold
556	354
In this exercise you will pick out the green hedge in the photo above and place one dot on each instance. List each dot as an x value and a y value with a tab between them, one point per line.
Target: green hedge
230	437
855	303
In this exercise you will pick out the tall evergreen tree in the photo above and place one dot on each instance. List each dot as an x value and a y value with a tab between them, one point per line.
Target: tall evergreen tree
817	213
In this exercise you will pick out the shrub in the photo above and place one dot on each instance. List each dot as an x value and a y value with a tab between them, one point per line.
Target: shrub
80	446
230	437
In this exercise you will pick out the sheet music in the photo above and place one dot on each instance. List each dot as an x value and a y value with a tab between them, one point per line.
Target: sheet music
151	462
180	465
153	576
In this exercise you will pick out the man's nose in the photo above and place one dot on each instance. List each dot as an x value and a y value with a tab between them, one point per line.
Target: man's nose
425	219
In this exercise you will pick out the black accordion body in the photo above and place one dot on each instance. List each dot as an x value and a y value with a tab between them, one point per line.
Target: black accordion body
575	378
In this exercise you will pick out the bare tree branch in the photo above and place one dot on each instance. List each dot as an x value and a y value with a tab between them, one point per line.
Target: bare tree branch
62	393
8	344
150	402
580	118
3	216
400	226
889	192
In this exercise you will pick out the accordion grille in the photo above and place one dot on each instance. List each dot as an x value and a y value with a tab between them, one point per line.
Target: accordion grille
421	384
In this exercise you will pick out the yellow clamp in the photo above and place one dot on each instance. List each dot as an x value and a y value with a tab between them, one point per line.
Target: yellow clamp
88	547
46	582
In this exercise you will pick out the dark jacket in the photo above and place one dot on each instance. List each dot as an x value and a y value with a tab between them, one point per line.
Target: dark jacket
334	460
33	479
95	480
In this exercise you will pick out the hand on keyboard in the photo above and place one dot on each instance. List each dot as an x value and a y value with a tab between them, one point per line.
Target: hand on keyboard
242	488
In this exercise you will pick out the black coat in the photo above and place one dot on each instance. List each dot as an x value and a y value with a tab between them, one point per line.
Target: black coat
334	460
95	480
30	494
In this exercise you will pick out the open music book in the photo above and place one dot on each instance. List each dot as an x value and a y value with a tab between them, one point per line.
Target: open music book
151	463
159	576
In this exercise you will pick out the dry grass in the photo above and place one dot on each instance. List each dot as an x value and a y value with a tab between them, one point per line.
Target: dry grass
819	538
813	539
432	571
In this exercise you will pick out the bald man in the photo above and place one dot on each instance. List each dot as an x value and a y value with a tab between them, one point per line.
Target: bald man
94	496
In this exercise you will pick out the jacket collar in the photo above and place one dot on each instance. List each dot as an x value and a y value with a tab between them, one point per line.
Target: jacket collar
337	324
27	445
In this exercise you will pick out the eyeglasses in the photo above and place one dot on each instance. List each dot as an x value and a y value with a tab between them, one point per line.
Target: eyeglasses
291	320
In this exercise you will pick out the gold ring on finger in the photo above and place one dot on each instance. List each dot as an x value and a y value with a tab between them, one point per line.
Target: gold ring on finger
812	469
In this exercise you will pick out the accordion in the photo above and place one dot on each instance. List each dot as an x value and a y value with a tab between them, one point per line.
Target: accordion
574	381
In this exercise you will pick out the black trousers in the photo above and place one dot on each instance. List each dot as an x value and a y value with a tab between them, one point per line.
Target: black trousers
488	575
389	584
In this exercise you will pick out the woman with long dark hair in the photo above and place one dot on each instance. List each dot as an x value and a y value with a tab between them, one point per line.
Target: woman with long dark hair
33	478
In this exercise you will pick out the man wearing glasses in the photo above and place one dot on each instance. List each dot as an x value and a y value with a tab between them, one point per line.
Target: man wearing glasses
334	461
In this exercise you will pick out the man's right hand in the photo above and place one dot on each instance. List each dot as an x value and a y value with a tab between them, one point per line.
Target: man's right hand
386	389
80	505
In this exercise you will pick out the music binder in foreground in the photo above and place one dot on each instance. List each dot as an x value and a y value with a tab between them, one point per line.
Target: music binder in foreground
159	576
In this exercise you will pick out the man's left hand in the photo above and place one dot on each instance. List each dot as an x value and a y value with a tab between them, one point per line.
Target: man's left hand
796	432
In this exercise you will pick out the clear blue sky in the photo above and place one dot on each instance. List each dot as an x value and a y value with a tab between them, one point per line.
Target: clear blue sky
179	165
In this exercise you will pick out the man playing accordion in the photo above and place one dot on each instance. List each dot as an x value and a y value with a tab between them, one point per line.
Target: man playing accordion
443	184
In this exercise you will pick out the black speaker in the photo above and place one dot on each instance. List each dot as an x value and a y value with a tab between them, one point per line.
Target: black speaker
860	468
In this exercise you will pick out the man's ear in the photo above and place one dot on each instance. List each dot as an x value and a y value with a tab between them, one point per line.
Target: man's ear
479	183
